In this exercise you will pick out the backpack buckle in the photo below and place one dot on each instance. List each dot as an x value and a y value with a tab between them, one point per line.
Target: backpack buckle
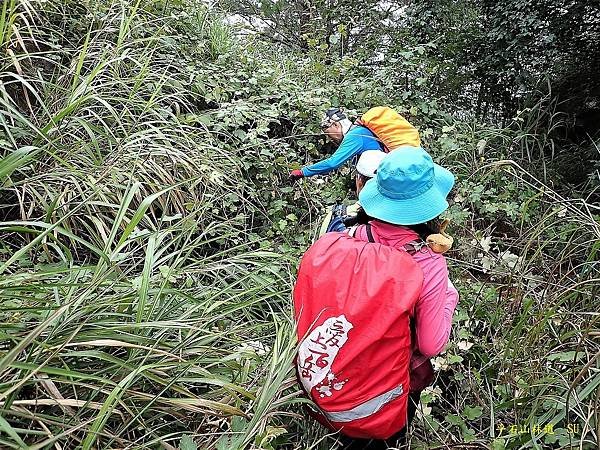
414	247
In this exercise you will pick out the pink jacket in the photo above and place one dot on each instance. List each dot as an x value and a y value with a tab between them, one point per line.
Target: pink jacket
435	306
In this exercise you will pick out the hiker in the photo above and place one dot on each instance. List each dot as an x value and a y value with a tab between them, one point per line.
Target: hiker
380	128
405	200
341	216
374	305
352	141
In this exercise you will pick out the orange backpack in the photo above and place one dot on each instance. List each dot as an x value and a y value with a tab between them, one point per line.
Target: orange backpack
391	128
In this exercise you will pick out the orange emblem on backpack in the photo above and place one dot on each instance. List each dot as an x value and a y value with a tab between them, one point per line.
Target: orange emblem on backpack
391	128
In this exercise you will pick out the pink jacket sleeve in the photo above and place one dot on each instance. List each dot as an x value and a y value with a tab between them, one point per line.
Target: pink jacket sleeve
434	309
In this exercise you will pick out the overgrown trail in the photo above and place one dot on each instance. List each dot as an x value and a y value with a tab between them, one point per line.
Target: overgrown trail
149	239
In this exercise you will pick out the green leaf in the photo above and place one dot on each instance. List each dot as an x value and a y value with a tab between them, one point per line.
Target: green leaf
265	439
225	442
472	413
240	134
454	359
454	419
5	426
204	119
566	356
187	443
498	444
16	159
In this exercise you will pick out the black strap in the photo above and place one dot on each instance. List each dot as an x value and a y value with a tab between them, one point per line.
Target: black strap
370	233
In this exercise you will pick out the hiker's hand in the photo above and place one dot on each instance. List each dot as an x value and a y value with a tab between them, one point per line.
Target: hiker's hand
296	175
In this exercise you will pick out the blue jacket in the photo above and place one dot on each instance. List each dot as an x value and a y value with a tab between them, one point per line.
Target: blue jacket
357	140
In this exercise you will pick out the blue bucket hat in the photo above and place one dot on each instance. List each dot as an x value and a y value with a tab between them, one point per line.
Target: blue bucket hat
408	188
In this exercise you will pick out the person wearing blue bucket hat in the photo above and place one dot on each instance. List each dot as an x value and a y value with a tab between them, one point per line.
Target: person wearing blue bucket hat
404	200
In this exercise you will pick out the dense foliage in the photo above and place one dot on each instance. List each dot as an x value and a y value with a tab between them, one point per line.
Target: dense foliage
149	235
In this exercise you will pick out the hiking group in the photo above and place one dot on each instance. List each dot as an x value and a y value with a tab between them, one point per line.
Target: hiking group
373	301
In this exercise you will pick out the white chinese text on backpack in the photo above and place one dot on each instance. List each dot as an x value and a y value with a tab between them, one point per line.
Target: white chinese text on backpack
318	351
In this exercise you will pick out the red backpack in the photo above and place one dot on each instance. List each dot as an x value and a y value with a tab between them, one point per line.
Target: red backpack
352	302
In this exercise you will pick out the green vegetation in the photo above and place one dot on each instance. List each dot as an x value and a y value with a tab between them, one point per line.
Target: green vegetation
149	237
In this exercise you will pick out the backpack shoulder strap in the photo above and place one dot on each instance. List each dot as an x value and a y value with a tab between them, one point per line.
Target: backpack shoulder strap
411	247
370	233
352	232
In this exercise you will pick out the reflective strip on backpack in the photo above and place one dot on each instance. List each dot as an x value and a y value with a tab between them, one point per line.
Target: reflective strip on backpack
365	409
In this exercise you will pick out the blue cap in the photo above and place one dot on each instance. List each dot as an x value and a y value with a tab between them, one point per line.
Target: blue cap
408	189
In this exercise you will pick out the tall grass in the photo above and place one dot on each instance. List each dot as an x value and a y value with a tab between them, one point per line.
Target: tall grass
101	357
129	293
